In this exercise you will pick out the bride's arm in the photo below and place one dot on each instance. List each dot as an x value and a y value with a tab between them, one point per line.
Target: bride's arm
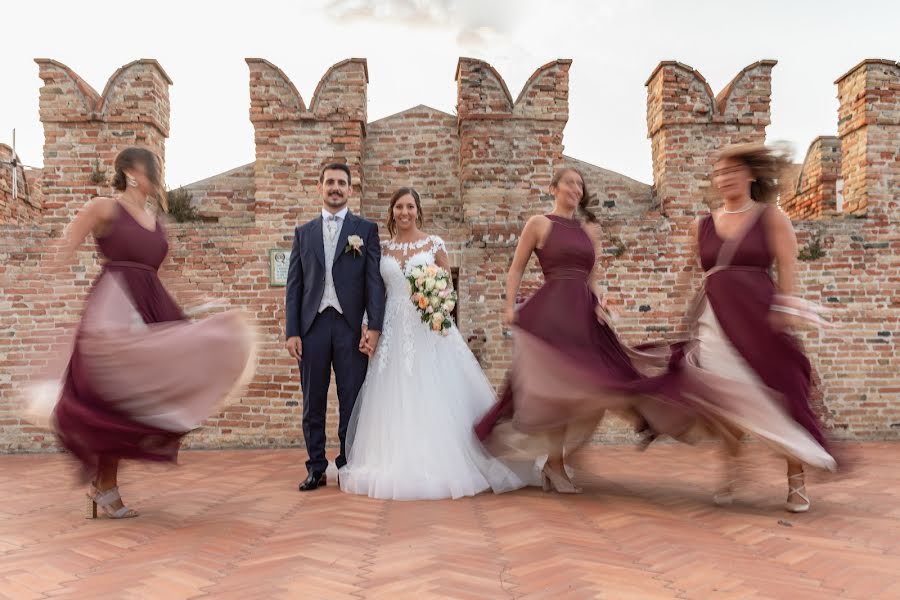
442	260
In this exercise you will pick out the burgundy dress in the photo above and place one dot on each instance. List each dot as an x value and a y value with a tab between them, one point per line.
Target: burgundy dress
568	365
140	375
739	372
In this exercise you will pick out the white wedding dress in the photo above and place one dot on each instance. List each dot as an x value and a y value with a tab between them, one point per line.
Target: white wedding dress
410	436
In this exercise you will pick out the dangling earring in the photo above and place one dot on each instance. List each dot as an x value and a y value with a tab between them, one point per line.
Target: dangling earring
131	181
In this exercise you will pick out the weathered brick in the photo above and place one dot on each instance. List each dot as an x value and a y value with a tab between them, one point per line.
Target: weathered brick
481	174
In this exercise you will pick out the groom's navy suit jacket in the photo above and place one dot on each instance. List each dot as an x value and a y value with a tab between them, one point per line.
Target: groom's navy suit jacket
357	278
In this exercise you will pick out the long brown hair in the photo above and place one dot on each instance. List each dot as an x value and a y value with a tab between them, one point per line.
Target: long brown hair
391	224
767	166
586	197
131	157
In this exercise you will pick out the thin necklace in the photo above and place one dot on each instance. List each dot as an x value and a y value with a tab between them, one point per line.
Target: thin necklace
744	208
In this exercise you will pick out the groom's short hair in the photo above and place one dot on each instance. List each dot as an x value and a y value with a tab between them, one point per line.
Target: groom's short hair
335	166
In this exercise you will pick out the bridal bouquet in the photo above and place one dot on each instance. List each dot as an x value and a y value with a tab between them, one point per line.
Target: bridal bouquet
433	296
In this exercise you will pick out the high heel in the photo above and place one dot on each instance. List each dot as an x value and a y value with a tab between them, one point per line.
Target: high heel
797	507
104	500
90	509
724	496
553	481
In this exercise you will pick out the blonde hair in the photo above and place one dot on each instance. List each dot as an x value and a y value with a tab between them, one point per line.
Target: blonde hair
767	165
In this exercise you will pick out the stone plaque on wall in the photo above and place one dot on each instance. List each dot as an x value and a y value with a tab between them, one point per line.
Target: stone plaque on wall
279	261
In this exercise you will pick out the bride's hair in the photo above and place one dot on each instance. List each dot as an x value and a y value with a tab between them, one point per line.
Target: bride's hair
404	191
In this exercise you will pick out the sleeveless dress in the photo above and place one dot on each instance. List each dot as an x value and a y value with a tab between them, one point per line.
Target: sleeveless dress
568	365
410	435
140	375
739	371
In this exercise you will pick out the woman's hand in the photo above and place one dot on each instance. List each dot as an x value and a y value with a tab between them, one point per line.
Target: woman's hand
604	310
509	316
780	321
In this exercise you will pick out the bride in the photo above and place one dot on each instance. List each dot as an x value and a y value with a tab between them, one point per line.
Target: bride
410	435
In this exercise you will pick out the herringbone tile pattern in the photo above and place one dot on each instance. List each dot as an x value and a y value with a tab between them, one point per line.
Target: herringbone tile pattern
231	525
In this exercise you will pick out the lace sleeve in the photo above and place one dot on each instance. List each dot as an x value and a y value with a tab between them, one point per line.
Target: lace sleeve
439	252
437	245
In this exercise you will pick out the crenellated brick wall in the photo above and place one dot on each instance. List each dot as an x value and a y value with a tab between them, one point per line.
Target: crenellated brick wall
814	193
226	198
482	173
26	207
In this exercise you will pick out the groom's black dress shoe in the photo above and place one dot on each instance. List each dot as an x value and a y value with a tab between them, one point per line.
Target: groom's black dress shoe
316	479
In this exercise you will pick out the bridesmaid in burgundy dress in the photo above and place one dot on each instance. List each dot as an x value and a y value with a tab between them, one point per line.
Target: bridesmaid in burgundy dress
568	365
140	375
744	372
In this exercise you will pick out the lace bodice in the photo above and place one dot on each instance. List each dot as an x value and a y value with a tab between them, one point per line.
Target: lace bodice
409	254
401	319
395	266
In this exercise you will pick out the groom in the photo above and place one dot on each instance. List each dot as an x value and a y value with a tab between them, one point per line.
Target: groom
332	280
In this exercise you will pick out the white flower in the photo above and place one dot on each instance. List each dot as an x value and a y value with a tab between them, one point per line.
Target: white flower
429	283
435	301
449	305
354	243
440	284
437	318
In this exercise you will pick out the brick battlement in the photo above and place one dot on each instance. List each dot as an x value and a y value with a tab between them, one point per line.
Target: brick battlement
482	173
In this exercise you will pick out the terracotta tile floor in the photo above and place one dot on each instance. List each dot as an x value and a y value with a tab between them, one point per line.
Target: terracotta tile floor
230	524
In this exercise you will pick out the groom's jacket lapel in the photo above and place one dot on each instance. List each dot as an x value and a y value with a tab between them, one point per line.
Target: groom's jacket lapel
349	228
316	239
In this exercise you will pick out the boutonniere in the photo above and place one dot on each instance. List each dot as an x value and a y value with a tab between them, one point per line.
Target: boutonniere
354	244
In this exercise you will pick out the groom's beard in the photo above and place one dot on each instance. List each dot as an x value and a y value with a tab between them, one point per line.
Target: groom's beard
336	200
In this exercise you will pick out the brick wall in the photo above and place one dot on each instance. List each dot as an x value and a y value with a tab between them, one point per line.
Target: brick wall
26	208
84	130
418	147
482	173
813	193
226	198
508	153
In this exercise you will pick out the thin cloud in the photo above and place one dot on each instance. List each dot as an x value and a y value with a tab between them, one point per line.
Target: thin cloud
478	25
419	13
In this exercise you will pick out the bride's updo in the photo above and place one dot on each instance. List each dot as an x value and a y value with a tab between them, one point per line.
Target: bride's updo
391	224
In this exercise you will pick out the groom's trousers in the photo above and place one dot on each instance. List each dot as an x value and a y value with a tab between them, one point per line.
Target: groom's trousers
330	343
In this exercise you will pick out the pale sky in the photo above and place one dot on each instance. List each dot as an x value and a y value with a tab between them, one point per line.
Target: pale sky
412	47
